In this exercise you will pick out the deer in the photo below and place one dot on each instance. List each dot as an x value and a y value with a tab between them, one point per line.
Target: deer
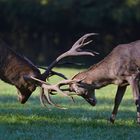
120	67
20	72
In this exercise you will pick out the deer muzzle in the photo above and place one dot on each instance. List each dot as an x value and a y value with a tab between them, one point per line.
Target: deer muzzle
22	99
91	101
24	94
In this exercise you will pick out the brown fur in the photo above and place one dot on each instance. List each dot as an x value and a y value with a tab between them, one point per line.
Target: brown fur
13	68
120	67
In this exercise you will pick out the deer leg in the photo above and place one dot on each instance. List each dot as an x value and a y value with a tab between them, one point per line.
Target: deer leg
139	85
135	89
118	98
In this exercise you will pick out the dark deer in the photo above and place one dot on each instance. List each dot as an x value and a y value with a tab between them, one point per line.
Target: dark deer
121	67
25	76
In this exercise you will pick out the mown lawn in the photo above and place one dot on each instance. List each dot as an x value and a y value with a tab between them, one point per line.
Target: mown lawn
79	122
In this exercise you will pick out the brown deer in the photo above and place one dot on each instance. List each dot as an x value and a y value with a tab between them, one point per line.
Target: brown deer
121	67
25	76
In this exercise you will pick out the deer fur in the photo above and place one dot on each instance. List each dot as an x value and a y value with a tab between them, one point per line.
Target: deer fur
13	68
121	67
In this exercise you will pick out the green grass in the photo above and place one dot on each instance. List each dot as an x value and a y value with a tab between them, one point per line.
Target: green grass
79	122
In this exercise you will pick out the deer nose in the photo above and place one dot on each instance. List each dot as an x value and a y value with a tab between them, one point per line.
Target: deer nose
71	87
92	101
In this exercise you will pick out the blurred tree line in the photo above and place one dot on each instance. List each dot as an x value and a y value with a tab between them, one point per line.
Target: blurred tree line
42	29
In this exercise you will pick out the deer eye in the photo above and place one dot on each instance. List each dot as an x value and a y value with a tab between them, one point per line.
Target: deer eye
79	82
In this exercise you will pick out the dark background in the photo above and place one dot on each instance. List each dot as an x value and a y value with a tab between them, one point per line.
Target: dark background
43	29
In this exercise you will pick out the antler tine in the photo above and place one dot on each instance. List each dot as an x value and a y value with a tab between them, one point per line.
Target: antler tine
46	97
43	98
51	73
65	82
76	48
58	74
80	42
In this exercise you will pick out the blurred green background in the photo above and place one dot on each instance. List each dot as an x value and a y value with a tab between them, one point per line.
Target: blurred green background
42	29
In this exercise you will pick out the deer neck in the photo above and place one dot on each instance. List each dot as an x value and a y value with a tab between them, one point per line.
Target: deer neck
97	76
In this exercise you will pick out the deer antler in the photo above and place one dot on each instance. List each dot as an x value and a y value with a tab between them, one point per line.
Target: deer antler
47	89
74	51
56	88
76	48
45	96
51	73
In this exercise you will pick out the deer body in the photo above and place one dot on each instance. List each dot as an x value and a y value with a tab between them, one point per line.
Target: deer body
13	68
116	68
121	67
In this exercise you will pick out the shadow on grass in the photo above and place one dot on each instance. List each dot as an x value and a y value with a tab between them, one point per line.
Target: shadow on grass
80	114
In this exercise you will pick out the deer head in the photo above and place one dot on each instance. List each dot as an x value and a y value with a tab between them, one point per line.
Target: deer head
82	87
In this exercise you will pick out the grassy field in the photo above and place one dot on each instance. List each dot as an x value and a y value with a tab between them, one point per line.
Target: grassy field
79	122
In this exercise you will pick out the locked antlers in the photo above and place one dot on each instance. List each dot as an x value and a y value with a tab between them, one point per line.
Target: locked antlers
46	88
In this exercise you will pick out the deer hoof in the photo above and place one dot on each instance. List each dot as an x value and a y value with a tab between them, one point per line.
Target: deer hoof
111	120
138	120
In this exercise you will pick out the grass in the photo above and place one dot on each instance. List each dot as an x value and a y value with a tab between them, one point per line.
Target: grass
79	122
